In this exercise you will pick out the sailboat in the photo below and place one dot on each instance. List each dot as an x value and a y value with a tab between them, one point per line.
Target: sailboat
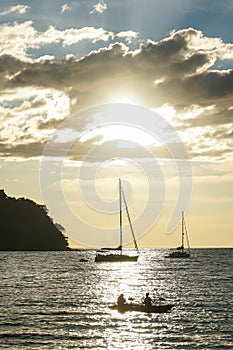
104	255
180	252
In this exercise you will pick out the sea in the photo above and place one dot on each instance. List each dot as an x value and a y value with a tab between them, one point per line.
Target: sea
52	300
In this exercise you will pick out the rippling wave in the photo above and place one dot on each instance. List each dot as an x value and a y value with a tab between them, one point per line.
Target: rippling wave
51	300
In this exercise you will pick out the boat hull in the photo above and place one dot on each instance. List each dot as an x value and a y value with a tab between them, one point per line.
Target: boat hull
142	308
178	255
115	258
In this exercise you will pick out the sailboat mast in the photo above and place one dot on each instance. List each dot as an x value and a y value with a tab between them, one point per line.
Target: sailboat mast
186	234
130	223
182	235
120	203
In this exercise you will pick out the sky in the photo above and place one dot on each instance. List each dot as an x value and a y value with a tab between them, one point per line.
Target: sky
93	91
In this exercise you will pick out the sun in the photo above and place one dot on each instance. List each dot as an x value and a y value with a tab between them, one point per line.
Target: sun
124	98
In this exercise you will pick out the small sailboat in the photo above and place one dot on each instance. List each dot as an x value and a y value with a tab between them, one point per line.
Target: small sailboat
180	252
104	255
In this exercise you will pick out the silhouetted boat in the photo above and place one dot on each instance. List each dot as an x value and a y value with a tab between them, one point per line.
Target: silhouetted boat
142	308
180	252
103	255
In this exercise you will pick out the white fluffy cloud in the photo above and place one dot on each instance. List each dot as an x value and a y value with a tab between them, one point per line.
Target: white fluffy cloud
17	38
21	9
64	8
128	35
100	7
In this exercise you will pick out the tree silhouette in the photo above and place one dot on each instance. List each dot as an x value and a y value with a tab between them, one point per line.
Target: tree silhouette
26	225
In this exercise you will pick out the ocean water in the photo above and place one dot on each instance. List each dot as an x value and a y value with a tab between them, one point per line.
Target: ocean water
51	300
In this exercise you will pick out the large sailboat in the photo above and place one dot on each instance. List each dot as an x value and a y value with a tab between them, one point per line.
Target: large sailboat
181	252
105	254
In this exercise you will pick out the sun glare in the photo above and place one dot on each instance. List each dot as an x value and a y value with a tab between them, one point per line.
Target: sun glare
120	132
124	99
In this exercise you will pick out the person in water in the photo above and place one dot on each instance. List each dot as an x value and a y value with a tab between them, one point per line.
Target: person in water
121	300
147	300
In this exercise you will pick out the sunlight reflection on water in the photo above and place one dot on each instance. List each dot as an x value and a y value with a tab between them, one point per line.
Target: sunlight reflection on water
51	300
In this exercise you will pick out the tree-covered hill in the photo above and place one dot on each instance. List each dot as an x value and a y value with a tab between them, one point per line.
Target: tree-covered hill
25	225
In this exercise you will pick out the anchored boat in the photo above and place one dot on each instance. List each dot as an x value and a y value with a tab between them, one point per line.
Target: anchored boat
104	255
180	252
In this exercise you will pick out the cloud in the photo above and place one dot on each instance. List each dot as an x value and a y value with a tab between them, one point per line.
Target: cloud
21	9
214	115
171	71
100	7
128	35
22	150
177	71
24	111
16	39
73	36
64	8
